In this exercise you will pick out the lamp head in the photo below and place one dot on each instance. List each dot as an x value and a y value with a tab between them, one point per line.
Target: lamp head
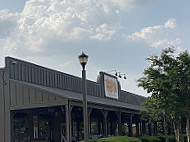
125	77
83	59
116	74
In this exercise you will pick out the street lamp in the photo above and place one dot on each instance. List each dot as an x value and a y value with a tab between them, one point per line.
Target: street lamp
83	60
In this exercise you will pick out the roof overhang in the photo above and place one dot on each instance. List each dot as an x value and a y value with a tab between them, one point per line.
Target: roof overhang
69	95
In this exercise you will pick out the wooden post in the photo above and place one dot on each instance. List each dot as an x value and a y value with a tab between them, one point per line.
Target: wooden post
137	127
130	125
144	127
68	110
141	127
105	114
119	123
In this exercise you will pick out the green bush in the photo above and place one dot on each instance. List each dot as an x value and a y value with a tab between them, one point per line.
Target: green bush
171	138
119	139
133	139
90	140
163	138
150	139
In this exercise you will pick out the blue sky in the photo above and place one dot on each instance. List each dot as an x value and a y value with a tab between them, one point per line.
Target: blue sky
116	34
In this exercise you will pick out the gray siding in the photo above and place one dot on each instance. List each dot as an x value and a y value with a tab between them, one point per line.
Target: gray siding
131	98
2	112
38	75
28	72
23	96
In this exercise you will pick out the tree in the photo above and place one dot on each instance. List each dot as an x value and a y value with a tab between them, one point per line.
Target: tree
168	80
184	86
154	113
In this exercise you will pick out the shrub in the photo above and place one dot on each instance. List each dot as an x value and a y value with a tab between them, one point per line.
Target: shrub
133	139
171	138
90	140
150	139
163	138
119	139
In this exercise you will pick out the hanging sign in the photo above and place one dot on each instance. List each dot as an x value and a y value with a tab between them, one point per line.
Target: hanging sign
111	87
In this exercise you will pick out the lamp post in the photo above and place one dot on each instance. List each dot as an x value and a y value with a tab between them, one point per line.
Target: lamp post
83	60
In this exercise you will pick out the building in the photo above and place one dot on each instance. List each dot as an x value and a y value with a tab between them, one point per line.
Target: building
38	104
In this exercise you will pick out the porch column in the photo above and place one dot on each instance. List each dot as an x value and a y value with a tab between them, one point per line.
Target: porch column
119	123
137	127
105	114
30	119
130	125
143	127
68	110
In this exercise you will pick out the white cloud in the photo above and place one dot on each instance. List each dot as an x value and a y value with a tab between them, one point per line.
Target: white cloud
166	42
61	21
7	23
103	32
158	36
50	32
171	23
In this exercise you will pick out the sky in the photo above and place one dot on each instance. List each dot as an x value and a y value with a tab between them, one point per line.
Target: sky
115	34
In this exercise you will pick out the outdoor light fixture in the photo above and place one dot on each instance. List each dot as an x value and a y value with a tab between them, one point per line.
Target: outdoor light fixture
124	77
118	74
83	59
